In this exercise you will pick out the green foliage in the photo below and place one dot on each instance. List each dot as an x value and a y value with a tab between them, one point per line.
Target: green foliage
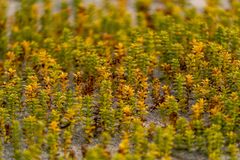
215	142
109	81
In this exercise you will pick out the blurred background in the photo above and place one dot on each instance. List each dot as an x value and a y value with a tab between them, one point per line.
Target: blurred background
199	4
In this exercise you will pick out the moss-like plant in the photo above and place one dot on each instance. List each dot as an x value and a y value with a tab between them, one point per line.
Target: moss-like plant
119	80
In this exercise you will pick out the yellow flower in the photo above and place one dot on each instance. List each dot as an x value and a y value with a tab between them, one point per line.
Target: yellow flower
120	70
189	80
11	56
54	126
127	110
234	96
47	80
103	71
63	75
197	46
142	94
142	106
124	145
205	82
128	91
166	89
25	45
119	50
198	108
119	45
140	39
216	71
11	72
215	110
29	89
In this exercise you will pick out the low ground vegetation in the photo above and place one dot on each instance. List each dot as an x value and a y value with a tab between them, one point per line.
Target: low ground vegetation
94	83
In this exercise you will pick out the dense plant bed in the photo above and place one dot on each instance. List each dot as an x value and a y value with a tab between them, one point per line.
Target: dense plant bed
100	82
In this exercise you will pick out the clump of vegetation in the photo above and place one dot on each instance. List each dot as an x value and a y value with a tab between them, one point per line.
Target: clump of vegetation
100	83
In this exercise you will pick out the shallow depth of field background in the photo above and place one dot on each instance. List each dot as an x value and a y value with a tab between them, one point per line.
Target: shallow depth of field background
198	3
